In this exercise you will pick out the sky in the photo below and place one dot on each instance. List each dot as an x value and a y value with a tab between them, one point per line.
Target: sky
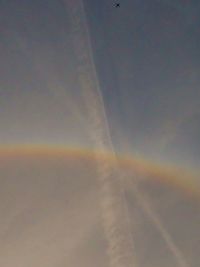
143	60
150	51
146	54
51	217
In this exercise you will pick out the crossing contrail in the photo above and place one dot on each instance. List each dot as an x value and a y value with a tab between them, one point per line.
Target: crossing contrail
113	204
145	204
114	208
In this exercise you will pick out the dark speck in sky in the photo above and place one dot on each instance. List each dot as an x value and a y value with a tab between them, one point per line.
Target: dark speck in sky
117	4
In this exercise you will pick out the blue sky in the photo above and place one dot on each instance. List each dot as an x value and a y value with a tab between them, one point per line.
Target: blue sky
147	59
151	49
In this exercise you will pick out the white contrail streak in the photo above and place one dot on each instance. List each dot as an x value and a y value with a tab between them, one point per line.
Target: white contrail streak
114	209
145	204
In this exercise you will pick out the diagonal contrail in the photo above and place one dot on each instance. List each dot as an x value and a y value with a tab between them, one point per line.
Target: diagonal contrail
145	204
114	209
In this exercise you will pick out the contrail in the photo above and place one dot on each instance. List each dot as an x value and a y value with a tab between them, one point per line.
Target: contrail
114	209
145	204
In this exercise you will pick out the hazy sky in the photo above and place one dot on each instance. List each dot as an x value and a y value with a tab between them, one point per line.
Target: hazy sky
51	216
147	59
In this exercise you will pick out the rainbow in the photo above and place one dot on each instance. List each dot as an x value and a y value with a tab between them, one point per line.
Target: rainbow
177	177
